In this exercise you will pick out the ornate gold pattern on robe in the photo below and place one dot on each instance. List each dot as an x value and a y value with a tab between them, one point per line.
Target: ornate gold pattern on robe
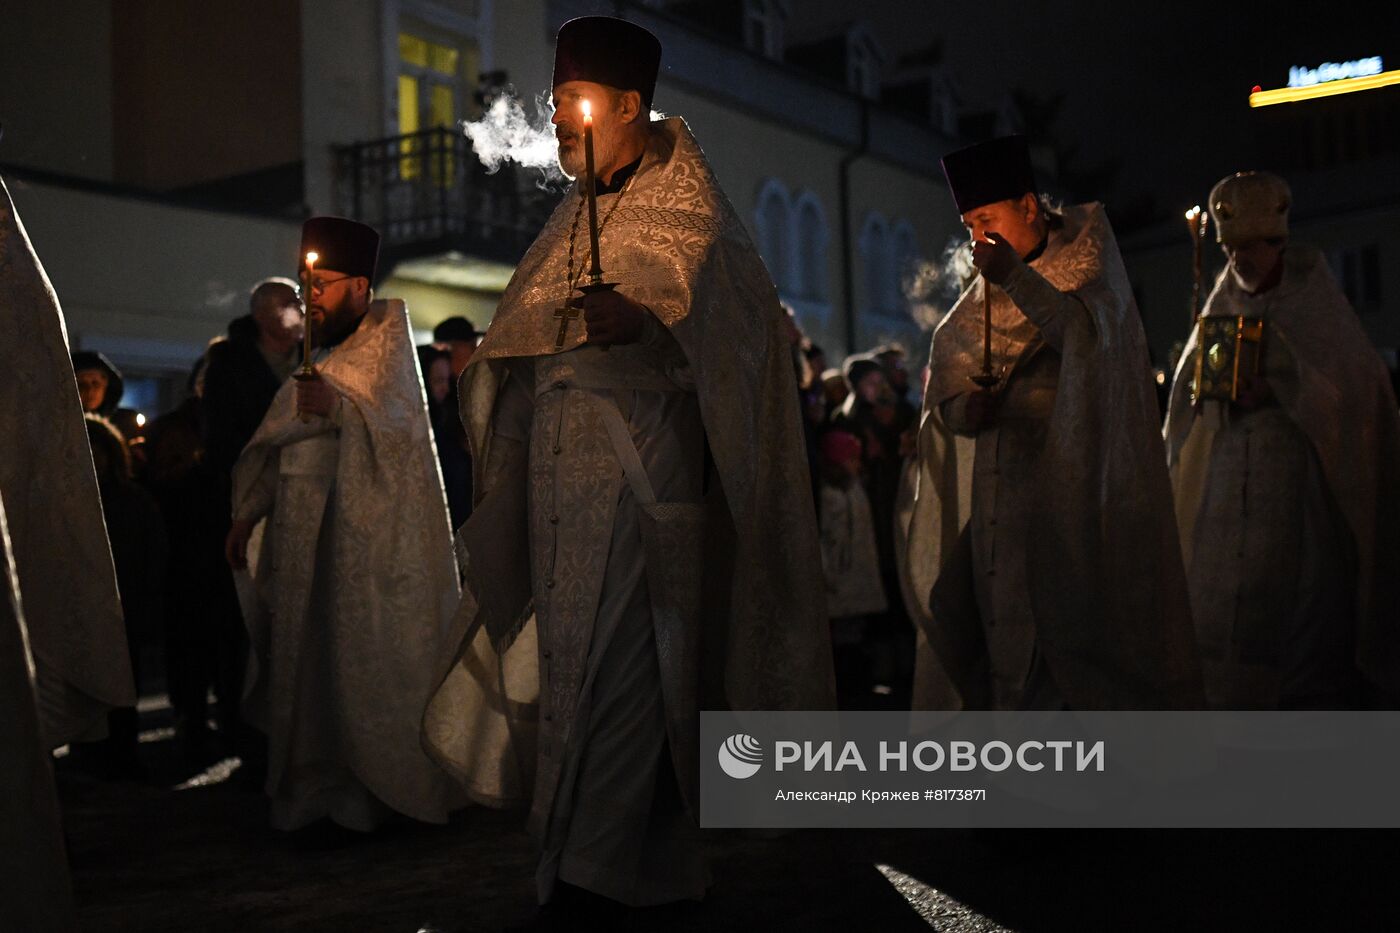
356	582
75	621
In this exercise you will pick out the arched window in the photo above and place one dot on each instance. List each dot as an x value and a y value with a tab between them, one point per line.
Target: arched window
810	278
905	253
864	60
879	265
773	221
764	22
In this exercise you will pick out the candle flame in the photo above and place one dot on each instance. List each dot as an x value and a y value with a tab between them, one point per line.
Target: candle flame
312	257
587	110
1194	212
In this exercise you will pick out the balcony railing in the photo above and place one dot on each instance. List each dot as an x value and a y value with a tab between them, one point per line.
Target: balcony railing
427	193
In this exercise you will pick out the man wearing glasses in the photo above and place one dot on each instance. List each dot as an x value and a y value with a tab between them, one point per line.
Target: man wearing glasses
354	582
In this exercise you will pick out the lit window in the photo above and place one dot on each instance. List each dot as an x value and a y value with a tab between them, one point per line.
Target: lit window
432	83
408	104
413	50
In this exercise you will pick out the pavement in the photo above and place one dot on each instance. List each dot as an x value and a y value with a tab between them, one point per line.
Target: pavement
189	849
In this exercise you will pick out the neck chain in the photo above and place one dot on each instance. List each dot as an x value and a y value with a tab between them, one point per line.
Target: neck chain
571	278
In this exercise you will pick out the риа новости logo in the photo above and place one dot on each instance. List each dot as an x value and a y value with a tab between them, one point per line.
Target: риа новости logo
741	756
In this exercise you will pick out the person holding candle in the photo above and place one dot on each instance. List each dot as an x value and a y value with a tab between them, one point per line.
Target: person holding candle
643	502
1287	493
353	585
1042	548
100	386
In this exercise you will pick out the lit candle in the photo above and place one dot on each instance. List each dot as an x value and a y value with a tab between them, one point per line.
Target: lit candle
1196	220
595	271
306	334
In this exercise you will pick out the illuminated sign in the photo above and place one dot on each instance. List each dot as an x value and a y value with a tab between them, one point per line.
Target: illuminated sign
1327	79
1332	71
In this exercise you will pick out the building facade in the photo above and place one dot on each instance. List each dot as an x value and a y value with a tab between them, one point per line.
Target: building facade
162	155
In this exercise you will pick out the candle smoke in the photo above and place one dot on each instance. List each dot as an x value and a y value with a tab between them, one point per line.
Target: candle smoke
507	133
934	286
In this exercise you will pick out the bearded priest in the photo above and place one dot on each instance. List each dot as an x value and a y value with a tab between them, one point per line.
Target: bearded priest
354	581
643	543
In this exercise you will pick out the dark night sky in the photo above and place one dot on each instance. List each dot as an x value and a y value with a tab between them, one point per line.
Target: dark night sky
1163	86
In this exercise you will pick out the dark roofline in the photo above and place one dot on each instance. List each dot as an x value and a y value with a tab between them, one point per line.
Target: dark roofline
133	193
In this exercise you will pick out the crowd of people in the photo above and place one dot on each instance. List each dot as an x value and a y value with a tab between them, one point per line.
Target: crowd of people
512	567
859	426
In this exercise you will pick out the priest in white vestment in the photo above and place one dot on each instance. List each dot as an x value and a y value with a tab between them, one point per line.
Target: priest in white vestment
643	543
69	585
1042	550
355	579
1287	479
46	484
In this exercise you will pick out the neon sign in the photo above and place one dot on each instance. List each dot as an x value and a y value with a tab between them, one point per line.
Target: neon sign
1326	80
1332	71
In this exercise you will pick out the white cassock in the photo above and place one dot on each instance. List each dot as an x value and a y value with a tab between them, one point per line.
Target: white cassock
613	587
355	587
1290	513
76	628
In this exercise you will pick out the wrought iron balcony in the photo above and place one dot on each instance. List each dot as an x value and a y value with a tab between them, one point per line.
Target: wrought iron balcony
426	193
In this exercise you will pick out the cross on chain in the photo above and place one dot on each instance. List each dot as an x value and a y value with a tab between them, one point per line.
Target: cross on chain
565	314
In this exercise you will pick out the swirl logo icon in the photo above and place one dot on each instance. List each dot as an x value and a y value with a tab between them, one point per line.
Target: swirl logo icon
741	756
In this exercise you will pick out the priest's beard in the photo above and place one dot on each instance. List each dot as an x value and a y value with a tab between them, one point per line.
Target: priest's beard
338	320
571	155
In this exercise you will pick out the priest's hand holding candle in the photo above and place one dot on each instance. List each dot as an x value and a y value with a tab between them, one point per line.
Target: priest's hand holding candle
311	391
994	257
307	296
609	316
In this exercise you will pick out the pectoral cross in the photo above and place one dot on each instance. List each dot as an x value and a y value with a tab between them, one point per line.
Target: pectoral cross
565	314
